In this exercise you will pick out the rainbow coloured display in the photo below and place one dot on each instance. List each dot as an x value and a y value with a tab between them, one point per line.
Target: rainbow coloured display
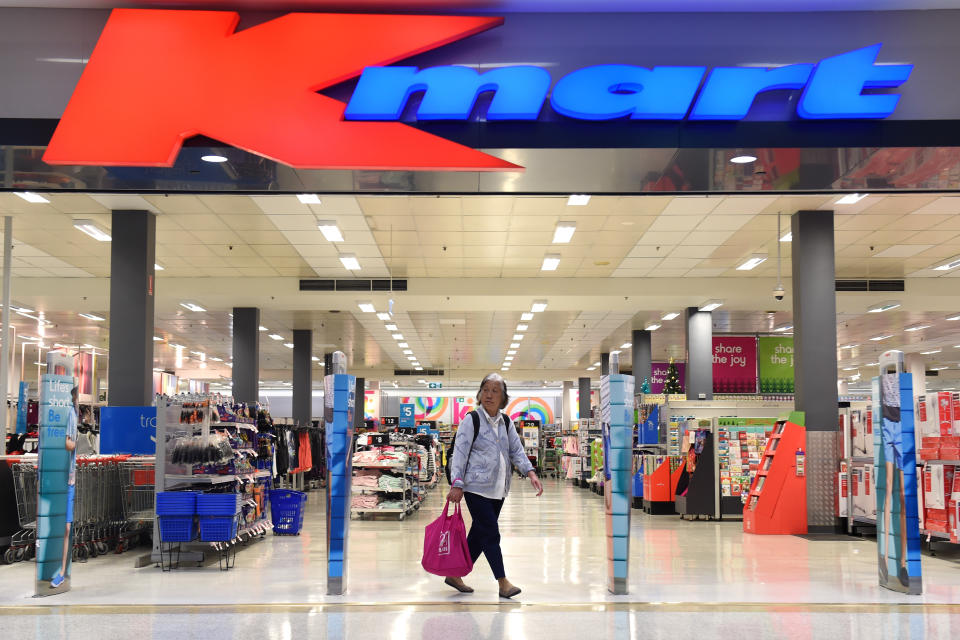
531	409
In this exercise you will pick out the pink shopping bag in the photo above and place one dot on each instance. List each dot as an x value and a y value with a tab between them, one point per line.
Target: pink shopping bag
445	551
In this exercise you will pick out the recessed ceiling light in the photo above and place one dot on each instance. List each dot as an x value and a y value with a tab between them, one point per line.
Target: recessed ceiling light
670	316
367	307
31	197
653	326
564	232
412	358
550	262
315	358
216	359
578	200
752	262
953	263
417	368
508	358
192	306
330	230
787	237
881	337
591	368
263	328
274	336
596	364
852	198
883	306
518	336
850	368
522	327
538	306
938	368
512	352
383	315
391	327
504	368
157	339
615	351
398	336
526	316
90	316
626	345
408	351
403	345
516	345
213	158
157	267
198	353
955	316
308	198
91	229
872	364
849	346
931	352
288	345
350	261
917	327
783	327
710	305
743	159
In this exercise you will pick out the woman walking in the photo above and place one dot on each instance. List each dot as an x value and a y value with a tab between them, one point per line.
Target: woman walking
480	471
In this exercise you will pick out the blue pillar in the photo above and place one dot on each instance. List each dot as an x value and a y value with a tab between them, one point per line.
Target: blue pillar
339	406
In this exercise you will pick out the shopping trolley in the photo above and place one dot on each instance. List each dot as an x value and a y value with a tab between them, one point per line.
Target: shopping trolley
136	486
22	543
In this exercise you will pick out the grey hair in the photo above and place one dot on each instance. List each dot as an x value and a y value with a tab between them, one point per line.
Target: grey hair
496	377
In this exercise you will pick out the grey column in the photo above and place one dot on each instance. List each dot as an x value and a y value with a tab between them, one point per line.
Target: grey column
815	358
5	349
566	404
584	403
699	344
132	287
642	358
359	398
302	376
327	364
604	364
246	354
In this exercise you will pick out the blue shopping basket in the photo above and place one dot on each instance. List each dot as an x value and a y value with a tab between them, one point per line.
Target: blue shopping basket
286	510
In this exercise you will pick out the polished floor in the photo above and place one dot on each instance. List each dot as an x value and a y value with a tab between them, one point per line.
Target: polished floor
687	579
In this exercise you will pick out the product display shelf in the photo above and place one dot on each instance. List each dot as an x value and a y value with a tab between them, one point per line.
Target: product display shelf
777	503
412	493
857	503
169	428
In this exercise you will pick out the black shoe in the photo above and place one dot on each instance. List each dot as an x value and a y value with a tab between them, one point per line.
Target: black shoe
514	591
904	576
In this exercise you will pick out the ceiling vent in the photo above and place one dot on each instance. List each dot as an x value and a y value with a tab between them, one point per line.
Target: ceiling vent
353	284
869	285
421	374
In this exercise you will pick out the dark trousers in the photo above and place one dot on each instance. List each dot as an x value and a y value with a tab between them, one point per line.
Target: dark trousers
484	535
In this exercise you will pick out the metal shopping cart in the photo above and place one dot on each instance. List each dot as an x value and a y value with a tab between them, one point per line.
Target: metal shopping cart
22	543
136	486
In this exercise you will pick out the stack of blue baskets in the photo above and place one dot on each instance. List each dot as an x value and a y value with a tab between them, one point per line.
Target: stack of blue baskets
175	515
286	511
219	516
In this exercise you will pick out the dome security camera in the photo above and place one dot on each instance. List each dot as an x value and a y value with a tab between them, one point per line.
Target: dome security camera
778	293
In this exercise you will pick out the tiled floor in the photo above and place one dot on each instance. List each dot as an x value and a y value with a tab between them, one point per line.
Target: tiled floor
554	547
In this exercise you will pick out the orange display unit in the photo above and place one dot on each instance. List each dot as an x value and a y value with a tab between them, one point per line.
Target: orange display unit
659	487
777	503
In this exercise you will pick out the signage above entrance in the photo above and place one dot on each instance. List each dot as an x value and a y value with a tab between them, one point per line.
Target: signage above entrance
159	77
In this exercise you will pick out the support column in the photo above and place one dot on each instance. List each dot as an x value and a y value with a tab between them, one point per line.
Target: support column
246	354
132	287
567	404
815	358
642	356
604	364
302	376
699	344
584	403
360	395
7	338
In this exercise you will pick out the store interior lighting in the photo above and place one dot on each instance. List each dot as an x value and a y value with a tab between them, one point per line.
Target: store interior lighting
213	158
157	339
192	306
743	159
330	230
669	316
367	307
626	345
881	337
538	306
710	305
931	352
953	263
578	200
522	327
852	198
564	232
955	316
518	337
157	267
783	327
550	262
652	327
308	198
752	262
516	345
31	197
397	336
917	327
262	328
350	262
391	327
526	316
883	306
383	315
288	345
91	316
274	336
787	237
91	229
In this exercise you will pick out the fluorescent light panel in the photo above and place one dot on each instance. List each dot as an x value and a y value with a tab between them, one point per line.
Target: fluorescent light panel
308	198
91	229
852	198
157	267
288	345
652	327
538	306
518	336
383	315
917	327
391	327
29	196
710	305
263	328
743	159
367	307
947	266
90	316
787	237
527	316
752	262
883	306
330	230
192	306
550	262
578	200
522	327
881	337
626	345
670	316
564	232
350	261
274	336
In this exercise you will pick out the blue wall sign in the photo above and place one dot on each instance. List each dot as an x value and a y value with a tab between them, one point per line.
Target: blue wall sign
128	430
407	418
832	89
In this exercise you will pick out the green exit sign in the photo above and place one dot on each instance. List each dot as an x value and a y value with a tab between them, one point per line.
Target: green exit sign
435	385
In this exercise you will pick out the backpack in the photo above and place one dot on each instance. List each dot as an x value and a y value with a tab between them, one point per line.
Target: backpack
476	432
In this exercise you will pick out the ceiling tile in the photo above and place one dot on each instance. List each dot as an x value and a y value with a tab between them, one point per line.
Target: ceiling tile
691	205
675	223
662	237
902	250
704	238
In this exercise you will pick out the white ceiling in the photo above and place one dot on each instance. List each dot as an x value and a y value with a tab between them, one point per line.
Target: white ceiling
517	6
473	266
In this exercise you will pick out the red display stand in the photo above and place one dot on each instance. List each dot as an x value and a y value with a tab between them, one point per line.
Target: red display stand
659	488
777	503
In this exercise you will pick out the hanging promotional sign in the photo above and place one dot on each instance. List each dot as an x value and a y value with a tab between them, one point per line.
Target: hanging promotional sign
734	364
158	77
408	415
775	364
658	375
130	430
56	476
